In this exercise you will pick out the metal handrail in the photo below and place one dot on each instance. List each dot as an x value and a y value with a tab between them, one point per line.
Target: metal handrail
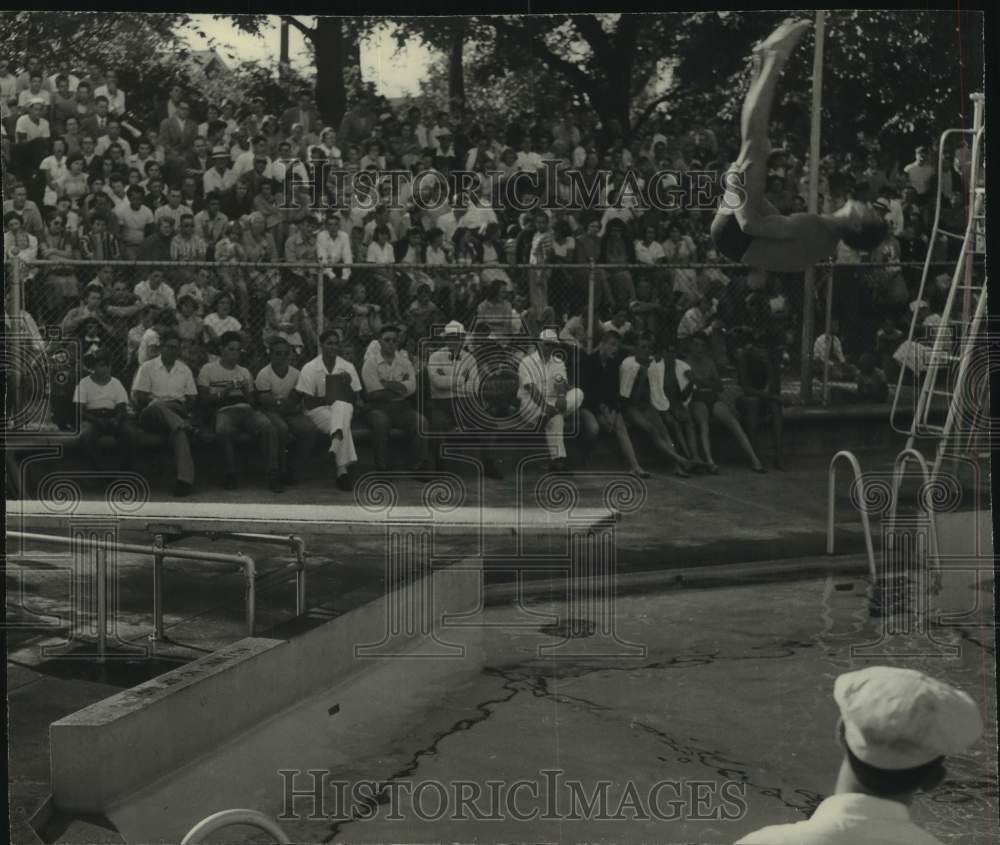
228	818
977	133
164	534
897	482
865	523
157	552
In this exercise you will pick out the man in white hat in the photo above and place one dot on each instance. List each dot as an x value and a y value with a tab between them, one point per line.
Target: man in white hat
546	395
896	727
219	178
454	381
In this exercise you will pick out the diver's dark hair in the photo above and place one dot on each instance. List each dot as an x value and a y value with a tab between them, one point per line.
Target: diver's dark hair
872	233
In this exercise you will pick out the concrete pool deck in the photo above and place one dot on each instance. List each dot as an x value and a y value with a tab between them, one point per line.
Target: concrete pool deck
505	714
680	525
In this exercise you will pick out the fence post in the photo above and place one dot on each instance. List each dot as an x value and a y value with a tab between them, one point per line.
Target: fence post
808	331
319	301
826	331
591	283
14	336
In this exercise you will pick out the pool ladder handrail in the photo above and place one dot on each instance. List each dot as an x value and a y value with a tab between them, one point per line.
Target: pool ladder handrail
865	523
905	455
228	818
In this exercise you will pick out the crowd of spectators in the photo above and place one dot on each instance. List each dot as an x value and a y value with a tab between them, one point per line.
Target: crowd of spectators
209	182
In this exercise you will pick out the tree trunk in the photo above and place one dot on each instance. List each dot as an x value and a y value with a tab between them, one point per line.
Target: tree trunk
329	50
618	90
456	76
353	49
283	57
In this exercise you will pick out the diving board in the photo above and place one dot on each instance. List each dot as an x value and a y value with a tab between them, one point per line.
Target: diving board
335	519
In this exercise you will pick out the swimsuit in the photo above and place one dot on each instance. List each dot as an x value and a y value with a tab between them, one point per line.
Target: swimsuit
729	238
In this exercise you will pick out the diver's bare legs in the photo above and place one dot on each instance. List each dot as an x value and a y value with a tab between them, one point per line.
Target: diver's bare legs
755	118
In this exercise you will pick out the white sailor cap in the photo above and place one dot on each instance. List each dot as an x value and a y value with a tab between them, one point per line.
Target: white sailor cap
453	328
898	718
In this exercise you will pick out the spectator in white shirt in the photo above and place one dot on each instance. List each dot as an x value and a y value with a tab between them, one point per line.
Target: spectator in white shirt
245	161
103	410
454	384
332	412
220	176
34	91
155	291
164	394
648	250
110	89
921	174
221	320
696	319
63	70
390	380
174	209
210	222
546	396
839	369
113	136
31	126
897	726
381	252
278	398
334	247
135	220
225	390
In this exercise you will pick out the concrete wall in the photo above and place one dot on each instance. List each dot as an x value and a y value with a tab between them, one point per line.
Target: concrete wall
122	744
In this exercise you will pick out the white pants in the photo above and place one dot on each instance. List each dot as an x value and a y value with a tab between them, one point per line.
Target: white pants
333	418
557	424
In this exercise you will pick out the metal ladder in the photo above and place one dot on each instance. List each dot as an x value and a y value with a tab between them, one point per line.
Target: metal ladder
955	338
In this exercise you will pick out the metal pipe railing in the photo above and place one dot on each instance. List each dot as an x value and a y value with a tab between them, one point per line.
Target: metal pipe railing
228	818
976	133
898	468
447	268
166	533
158	553
865	524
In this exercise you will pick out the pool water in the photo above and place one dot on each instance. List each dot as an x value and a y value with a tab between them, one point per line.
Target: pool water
729	711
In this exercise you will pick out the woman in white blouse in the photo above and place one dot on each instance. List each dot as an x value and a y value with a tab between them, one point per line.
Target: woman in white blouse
284	317
328	144
55	169
648	250
381	252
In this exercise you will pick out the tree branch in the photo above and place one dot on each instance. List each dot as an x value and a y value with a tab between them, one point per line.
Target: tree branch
628	32
647	112
571	71
593	33
307	31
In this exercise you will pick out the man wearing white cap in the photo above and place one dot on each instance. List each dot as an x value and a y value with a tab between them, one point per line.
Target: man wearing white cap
454	380
219	177
546	396
896	727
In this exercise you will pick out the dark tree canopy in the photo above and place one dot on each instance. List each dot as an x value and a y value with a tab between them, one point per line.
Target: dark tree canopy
895	76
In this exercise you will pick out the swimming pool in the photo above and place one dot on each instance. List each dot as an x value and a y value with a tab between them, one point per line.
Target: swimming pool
730	706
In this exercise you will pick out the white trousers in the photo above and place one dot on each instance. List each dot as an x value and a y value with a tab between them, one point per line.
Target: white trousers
333	418
556	425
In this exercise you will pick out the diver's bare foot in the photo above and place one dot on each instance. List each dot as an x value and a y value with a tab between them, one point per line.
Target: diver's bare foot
784	39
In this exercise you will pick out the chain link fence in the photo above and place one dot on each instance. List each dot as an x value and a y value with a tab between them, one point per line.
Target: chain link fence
65	309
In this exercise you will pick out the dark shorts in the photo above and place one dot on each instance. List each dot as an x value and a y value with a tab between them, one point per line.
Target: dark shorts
730	240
